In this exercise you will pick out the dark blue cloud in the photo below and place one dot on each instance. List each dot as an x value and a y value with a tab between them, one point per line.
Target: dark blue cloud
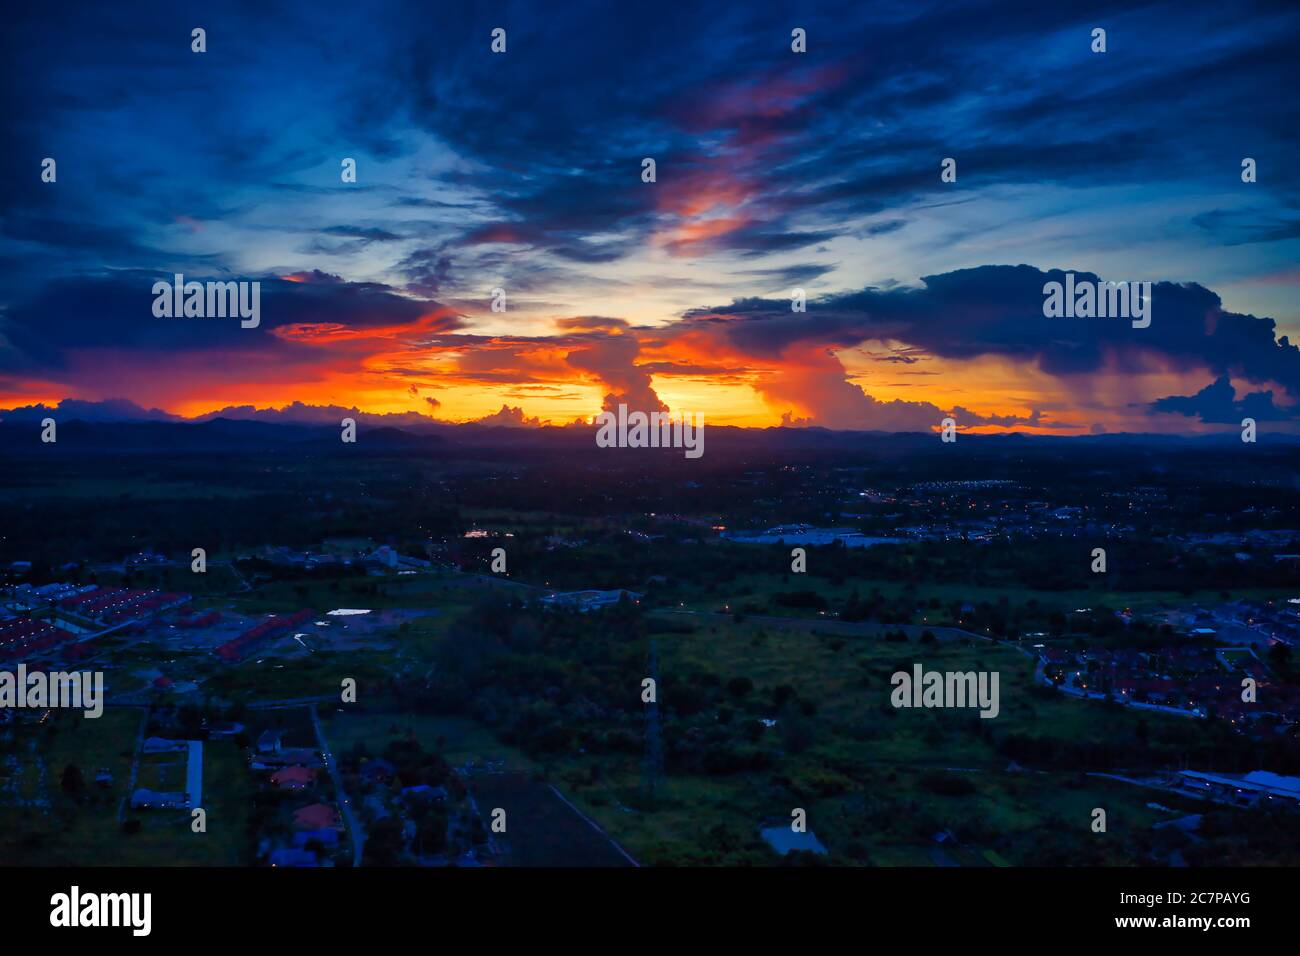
476	168
998	310
1217	403
116	313
550	135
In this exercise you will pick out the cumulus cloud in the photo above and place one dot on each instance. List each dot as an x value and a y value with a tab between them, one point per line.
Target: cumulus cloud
612	359
71	409
508	416
990	311
300	413
1217	403
794	361
998	310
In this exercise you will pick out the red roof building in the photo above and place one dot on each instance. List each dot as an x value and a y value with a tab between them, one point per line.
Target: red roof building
317	816
294	778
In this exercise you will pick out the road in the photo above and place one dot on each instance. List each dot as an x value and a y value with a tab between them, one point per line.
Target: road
135	766
860	628
355	832
292	702
1040	676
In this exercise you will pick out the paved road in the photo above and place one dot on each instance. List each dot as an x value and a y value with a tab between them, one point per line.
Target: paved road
866	628
1040	676
291	702
355	832
135	766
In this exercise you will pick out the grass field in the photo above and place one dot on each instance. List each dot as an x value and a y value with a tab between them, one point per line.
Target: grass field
165	837
218	580
459	740
872	779
75	832
735	593
41	826
541	830
272	678
431	589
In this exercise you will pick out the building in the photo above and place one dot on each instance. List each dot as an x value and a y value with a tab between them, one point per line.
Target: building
161	745
316	816
293	778
293	857
1257	788
378	771
194	774
785	840
114	606
588	600
385	556
255	637
287	757
425	792
21	637
156	800
802	534
326	838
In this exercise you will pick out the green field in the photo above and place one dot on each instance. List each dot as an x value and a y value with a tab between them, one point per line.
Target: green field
463	740
70	831
736	592
873	779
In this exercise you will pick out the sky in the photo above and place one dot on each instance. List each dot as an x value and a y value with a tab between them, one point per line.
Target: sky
775	171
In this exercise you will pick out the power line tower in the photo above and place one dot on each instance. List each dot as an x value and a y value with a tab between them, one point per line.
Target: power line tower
653	768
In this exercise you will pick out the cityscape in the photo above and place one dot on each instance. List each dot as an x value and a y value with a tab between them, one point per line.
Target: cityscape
437	636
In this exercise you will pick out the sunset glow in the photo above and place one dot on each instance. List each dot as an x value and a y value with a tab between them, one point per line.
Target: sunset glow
813	176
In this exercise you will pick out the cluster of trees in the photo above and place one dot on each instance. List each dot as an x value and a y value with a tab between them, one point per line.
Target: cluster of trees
553	681
421	826
297	500
413	765
1212	744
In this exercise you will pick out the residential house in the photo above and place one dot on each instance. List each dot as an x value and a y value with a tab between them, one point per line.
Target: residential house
294	778
316	816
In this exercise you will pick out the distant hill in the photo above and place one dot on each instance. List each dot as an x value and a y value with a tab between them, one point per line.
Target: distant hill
220	435
244	437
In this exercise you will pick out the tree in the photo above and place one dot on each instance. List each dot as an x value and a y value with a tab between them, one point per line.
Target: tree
1279	656
72	782
796	734
384	843
740	686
